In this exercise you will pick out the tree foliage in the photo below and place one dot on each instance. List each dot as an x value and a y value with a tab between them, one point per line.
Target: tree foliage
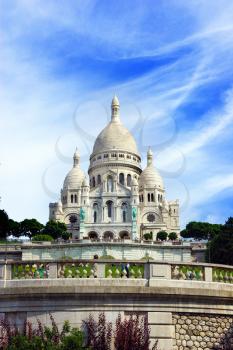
4	224
148	236
172	236
200	230
220	248
41	337
55	229
162	235
42	238
30	227
14	228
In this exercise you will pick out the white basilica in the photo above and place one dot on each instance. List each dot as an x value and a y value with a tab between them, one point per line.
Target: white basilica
119	200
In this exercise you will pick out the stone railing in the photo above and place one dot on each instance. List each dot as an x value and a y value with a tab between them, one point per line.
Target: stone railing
76	269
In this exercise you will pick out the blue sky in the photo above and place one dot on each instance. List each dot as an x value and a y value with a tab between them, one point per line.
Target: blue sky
169	62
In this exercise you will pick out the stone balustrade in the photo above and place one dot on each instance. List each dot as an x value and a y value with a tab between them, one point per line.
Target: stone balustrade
149	270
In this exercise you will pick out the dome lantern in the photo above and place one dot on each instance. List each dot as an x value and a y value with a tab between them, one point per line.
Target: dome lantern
149	157
76	157
115	109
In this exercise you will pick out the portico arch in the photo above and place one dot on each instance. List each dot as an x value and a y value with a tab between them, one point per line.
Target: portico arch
93	235
108	235
124	235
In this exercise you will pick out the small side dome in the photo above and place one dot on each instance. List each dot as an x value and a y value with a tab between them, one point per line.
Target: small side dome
150	176
75	176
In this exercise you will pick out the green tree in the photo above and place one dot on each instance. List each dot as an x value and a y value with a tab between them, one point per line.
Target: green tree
220	248
172	236
162	235
55	229
66	235
14	228
42	238
200	230
30	227
4	224
148	236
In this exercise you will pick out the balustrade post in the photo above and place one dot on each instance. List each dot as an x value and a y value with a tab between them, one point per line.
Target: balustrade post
52	270
100	270
7	271
208	274
2	272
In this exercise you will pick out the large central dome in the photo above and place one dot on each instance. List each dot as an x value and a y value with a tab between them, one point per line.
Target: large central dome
115	136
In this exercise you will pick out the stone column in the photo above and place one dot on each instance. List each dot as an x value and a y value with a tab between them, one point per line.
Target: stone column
162	329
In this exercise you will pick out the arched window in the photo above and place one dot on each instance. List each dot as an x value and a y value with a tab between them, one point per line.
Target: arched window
71	198
109	207
95	212
93	181
121	179
124	212
142	198
98	179
148	197
110	184
159	197
128	180
152	197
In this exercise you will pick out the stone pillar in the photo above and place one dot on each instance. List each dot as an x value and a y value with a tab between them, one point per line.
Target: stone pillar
208	274
162	329
52	270
162	271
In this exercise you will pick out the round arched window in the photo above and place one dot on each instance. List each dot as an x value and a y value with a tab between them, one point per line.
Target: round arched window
73	219
151	217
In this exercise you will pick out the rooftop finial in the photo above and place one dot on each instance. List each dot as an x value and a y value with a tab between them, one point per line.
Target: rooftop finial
115	109
149	157
76	157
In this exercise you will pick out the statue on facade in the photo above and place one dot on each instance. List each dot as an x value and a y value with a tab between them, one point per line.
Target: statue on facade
134	213
82	214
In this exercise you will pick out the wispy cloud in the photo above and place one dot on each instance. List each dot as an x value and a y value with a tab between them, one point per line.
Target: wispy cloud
173	74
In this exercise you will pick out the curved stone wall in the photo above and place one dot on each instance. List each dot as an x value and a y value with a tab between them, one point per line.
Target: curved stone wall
189	306
202	331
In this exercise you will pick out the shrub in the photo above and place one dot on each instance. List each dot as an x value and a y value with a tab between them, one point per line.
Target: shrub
106	257
148	236
162	235
172	236
41	337
99	333
65	235
42	238
132	334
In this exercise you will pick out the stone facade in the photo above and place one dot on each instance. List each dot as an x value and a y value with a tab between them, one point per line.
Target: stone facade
119	200
202	331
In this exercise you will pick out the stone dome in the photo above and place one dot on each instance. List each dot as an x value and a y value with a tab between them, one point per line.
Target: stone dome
150	176
75	176
115	135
